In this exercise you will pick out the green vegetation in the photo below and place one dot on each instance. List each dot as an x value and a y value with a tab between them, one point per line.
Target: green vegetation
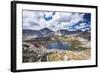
78	48
74	43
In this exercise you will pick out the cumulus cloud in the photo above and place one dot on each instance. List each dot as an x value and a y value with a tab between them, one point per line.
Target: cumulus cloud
37	20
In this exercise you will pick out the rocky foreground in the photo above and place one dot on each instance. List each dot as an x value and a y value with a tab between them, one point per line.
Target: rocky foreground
37	52
42	55
69	55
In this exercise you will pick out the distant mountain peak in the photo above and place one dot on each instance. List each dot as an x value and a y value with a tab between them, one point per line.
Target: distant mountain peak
45	32
45	29
67	32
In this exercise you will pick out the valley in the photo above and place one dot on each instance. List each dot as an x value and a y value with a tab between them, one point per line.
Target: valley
55	46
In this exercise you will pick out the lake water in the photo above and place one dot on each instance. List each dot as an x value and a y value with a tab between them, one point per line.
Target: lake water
59	45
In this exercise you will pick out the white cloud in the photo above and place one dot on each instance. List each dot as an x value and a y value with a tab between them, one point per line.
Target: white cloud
83	29
31	19
60	20
82	25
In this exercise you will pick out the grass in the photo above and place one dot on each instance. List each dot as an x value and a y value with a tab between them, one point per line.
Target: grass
78	48
74	43
69	55
56	56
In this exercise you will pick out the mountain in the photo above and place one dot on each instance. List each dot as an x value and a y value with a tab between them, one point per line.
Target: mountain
37	33
86	35
31	33
46	32
66	32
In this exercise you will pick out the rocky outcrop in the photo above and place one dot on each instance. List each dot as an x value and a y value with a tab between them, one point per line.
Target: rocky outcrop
33	54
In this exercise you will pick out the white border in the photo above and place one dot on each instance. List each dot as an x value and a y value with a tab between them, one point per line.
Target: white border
37	65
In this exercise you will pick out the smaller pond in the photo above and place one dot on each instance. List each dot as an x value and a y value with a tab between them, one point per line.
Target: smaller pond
59	45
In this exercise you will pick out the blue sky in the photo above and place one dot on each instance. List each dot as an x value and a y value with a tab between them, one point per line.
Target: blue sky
71	21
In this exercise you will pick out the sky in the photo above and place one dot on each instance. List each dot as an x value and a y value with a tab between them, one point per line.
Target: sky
71	21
